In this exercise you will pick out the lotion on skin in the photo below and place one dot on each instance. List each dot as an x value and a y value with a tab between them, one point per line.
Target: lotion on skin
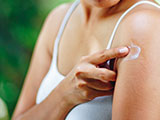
134	52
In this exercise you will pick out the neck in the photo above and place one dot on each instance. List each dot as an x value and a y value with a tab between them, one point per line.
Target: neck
93	12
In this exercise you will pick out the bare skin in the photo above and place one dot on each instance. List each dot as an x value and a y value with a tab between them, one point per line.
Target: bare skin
137	86
88	21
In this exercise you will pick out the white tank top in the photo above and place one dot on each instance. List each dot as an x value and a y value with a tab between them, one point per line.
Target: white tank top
99	108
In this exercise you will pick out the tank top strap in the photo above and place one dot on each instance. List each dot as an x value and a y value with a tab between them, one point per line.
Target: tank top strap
69	13
123	15
61	30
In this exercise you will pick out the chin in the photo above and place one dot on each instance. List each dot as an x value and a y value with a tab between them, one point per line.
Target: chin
104	3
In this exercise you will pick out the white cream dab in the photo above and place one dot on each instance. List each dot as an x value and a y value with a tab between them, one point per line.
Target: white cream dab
133	53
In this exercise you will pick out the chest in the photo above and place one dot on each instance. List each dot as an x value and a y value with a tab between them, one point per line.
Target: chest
78	40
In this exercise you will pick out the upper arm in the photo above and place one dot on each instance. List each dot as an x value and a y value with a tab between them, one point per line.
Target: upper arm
137	91
41	59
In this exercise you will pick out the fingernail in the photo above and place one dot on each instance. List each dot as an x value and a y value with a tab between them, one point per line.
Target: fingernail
123	50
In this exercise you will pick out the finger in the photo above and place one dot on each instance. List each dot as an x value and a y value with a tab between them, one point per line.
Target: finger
104	55
101	74
92	93
99	85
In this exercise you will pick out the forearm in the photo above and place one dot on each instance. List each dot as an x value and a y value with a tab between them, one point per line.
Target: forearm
54	107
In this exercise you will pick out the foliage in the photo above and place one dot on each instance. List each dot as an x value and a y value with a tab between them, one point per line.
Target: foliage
3	111
20	24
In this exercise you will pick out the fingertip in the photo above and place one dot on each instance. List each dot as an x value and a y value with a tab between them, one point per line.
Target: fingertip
114	75
123	50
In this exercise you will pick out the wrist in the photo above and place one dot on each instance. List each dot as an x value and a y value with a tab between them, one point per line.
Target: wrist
64	96
60	105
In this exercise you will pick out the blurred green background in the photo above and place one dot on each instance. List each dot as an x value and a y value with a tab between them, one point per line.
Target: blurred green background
20	24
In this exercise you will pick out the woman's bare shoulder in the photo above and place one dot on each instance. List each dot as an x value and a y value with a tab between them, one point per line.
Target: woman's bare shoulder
141	27
142	22
41	59
52	24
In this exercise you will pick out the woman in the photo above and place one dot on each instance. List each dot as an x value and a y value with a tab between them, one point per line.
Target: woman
75	84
